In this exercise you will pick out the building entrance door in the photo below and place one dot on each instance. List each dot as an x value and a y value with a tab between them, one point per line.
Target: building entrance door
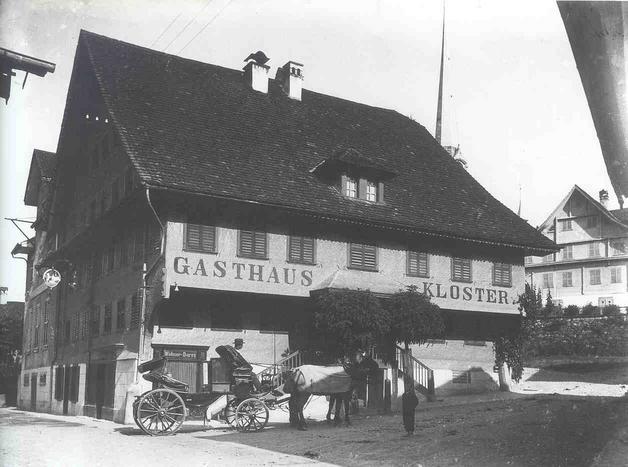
34	392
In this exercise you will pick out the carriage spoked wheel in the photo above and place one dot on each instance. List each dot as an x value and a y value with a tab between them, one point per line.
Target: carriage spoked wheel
160	412
230	411
251	415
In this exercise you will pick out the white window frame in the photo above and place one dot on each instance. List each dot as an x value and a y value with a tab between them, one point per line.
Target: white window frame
351	187
595	272
371	191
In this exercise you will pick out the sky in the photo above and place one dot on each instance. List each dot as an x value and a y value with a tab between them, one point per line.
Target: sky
513	100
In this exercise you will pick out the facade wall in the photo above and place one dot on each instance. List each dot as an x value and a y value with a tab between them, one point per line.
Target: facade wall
226	271
42	392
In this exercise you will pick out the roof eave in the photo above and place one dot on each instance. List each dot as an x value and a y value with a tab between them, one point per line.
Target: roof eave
528	250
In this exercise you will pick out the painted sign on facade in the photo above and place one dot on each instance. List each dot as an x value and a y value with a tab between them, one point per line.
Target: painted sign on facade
224	270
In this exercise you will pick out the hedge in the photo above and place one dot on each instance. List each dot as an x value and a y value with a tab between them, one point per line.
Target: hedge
606	336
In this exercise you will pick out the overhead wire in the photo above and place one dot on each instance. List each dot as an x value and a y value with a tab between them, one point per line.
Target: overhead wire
166	30
187	25
205	27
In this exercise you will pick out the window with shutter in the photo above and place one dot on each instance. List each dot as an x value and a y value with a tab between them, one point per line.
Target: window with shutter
121	315
200	238
461	269
107	320
252	244
502	274
362	256
301	250
135	311
548	280
567	279
95	321
139	244
417	264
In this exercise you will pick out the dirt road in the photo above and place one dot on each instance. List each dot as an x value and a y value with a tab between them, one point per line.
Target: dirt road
524	430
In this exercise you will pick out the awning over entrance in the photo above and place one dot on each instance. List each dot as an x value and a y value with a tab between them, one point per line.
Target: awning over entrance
360	280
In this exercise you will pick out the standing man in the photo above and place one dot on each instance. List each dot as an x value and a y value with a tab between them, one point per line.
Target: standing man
409	402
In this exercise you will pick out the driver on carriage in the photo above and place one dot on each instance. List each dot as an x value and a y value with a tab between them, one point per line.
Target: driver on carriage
240	368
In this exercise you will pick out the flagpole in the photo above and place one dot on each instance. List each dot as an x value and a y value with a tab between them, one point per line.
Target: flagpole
439	108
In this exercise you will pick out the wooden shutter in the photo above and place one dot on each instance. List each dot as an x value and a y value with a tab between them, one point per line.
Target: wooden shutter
200	238
59	376
121	315
418	264
75	373
502	274
135	311
252	244
139	244
461	269
362	256
301	250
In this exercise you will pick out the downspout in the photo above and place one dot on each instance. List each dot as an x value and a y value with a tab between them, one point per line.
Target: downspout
145	272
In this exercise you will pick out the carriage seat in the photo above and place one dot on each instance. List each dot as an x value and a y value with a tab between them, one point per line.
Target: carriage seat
166	381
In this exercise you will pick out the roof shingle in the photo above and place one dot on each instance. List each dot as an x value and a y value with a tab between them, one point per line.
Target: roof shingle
198	127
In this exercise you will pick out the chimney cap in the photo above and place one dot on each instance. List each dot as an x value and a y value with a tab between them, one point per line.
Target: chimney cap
603	194
258	57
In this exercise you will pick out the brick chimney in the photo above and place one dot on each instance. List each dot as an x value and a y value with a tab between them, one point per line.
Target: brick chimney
256	72
604	198
290	78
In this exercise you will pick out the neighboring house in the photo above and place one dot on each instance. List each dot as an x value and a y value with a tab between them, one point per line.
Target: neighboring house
39	316
592	265
195	204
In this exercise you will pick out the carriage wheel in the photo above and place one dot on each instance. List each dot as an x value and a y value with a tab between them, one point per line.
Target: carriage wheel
160	412
230	411
251	415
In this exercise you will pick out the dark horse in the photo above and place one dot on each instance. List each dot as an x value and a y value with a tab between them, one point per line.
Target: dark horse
336	381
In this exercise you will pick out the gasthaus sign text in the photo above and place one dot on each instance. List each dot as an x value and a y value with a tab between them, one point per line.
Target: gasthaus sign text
225	270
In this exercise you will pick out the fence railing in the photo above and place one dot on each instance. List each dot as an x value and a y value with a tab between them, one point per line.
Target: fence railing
275	373
421	374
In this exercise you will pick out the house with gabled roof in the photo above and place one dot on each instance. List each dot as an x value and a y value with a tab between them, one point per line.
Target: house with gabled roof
195	204
40	304
592	265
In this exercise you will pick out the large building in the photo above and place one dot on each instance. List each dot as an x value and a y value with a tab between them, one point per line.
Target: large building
592	265
196	204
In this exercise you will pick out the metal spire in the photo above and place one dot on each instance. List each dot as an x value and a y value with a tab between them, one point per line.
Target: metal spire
439	109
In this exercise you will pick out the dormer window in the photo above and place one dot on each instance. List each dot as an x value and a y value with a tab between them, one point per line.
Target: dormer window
361	188
355	175
350	187
371	191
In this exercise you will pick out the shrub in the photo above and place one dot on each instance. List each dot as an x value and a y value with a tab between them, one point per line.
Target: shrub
572	310
611	310
590	310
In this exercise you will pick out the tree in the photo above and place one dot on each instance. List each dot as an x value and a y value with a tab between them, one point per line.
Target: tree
413	317
531	302
509	348
550	309
347	320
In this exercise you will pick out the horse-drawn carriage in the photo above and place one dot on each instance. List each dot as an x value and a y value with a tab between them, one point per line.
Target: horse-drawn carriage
162	410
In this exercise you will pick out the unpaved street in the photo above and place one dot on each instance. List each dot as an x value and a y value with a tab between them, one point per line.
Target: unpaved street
521	430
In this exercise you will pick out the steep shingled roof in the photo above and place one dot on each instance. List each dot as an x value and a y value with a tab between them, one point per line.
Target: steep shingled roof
199	128
42	166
